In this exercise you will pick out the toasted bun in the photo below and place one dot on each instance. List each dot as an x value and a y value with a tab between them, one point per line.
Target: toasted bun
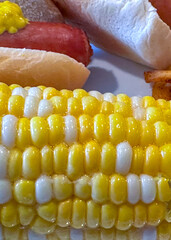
130	28
34	67
39	10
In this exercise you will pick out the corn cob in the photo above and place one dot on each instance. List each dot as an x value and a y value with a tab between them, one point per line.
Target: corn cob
83	159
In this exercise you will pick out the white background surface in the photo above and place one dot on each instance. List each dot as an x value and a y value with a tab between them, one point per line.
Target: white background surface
110	73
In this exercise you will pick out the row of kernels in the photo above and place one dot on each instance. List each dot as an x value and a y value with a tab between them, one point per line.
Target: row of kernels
78	214
100	188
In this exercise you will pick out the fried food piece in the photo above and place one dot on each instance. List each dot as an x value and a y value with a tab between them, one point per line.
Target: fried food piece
162	90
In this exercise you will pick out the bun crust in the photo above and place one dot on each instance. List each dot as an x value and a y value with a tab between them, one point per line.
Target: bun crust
34	67
130	28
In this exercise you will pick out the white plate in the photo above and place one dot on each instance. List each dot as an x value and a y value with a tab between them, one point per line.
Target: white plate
110	73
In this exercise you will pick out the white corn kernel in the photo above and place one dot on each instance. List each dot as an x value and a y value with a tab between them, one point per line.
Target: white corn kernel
31	106
19	91
70	129
45	108
133	184
5	191
148	188
136	102
109	97
4	155
43	189
97	95
139	113
124	158
35	92
9	130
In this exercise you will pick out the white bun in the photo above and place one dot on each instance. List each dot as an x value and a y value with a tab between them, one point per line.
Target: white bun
39	10
130	28
34	67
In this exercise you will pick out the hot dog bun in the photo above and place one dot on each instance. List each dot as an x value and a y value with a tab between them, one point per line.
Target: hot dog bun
34	67
130	28
39	10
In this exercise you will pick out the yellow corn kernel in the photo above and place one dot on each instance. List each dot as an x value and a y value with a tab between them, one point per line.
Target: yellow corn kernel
16	105
62	187
5	89
162	133
3	104
166	160
91	105
50	92
108	215
162	103
125	217
79	93
23	133
78	213
154	114
9	215
123	108
59	105
48	211
24	192
47	160
74	106
64	213
164	231
156	213
164	190
123	98
118	189
26	214
60	158
146	134
107	108
140	215
31	163
92	157
11	233
152	160
137	160
75	167
42	226
167	116
39	131
41	87
66	93
117	130
101	128
82	188
62	233
149	101
133	131
93	214
108	159
13	86
15	164
56	129
85	128
100	188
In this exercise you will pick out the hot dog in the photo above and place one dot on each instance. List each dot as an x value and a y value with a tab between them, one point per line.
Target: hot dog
130	28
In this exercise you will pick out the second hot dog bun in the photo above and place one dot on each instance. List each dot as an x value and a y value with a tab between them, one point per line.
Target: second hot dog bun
130	28
34	67
39	10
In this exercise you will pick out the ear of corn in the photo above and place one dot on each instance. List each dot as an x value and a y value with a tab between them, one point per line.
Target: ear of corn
83	160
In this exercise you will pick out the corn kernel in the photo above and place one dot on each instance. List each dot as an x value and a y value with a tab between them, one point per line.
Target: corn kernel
133	131
79	93
59	105
31	163
62	187
166	160
9	215
147	134
101	128
156	213
64	213
108	159
162	133
56	129
107	108
137	160
140	215
118	189
91	234
154	114
85	128
48	211
93	214
125	217
92	157
97	95
82	188
149	102
5	89
152	160
109	97
161	103
100	187
123	109
164	190
168	213
75	167
117	130
24	192
50	92
42	226
11	233
23	133
47	160
15	164
108	215
78	213
42	88
16	106
74	106
107	234
3	104
121	235
167	116
39	131
66	93
60	158
164	231
91	105
26	214
13	86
